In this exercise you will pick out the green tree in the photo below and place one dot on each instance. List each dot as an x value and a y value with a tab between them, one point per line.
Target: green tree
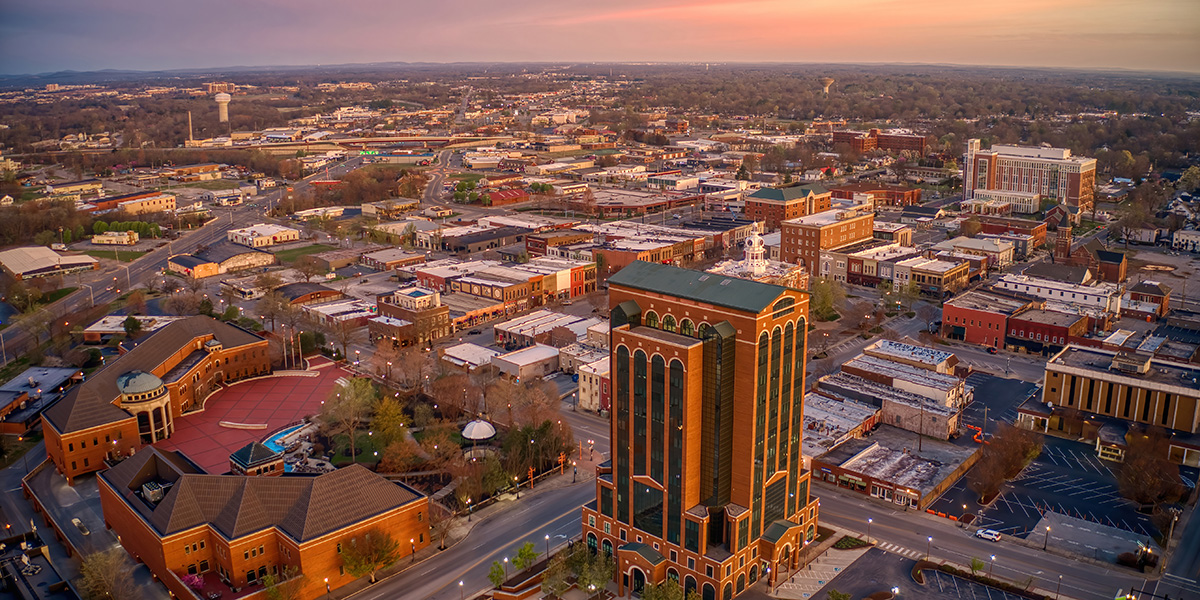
496	573
836	595
667	590
376	550
287	585
593	571
1190	179
67	236
389	422
45	238
527	554
99	227
977	565
132	326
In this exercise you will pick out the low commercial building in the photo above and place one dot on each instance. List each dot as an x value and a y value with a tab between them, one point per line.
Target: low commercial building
82	187
417	316
218	259
24	397
594	392
387	210
1187	240
31	262
234	530
262	235
944	389
136	203
1026	203
831	420
897	233
998	252
115	325
887	466
505	197
340	258
391	259
898	408
1044	331
535	361
981	317
1089	388
302	293
1000	225
878	194
116	238
481	240
468	357
1105	297
135	400
572	357
935	278
534	328
1147	299
347	312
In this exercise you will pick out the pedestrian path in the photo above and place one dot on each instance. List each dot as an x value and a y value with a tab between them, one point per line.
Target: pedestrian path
806	582
901	550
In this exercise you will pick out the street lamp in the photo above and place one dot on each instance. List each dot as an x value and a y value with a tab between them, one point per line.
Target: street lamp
326	586
1046	541
869	521
928	547
468	510
517	483
461	593
412	543
506	568
574	470
547	546
1059	588
992	565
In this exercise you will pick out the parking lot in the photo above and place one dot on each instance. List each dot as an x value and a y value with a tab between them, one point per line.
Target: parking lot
1067	478
945	585
878	571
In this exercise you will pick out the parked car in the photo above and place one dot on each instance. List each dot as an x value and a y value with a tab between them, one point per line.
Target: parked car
992	350
988	534
82	528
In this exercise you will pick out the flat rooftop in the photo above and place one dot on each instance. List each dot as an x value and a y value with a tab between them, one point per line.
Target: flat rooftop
1048	317
1182	378
897	370
922	354
845	384
828	217
891	454
828	421
526	356
983	301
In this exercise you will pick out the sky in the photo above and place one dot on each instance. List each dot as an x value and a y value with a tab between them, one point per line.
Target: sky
50	35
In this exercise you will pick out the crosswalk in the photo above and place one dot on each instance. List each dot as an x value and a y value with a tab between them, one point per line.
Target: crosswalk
901	550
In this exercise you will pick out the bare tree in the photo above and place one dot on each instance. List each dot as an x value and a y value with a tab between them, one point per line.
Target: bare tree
308	267
344	333
348	407
183	303
107	575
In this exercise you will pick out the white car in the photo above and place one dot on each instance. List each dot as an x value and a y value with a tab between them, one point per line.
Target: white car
988	534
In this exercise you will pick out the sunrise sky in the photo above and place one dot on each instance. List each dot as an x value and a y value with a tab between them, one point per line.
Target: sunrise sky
50	35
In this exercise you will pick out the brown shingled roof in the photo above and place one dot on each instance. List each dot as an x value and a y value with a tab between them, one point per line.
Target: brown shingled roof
91	403
304	508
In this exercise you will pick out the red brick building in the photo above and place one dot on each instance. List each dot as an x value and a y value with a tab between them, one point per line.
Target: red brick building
1051	172
880	194
1003	225
1152	292
773	206
803	239
1040	330
865	141
233	530
135	400
506	197
537	243
979	317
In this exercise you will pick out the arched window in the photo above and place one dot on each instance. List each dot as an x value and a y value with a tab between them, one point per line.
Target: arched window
728	595
651	319
710	592
591	542
668	323
741	583
639	581
703	330
672	574
689	585
607	546
687	328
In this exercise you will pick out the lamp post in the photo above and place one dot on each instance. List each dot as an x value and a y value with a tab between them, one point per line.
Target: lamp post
326	586
389	370
1046	541
506	568
992	565
468	510
574	470
547	546
1059	588
517	482
928	546
412	543
461	592
869	521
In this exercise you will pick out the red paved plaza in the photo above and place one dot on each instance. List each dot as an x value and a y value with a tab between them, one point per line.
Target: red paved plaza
274	401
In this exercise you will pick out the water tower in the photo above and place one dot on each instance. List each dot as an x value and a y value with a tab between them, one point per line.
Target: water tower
826	81
223	106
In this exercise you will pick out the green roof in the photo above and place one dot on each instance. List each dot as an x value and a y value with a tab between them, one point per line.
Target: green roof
720	290
650	554
776	530
788	193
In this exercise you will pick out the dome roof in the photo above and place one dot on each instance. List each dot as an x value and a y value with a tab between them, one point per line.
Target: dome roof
138	382
478	430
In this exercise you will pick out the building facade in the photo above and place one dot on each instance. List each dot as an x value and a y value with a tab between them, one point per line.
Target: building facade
135	400
803	239
1050	172
772	206
706	485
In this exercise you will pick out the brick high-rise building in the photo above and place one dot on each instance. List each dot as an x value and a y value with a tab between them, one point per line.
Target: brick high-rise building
803	239
894	141
1051	172
706	484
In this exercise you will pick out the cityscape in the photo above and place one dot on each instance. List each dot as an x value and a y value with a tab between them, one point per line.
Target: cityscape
672	318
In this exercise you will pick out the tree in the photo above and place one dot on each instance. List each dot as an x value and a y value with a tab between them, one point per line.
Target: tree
182	303
132	326
836	595
1147	476
22	297
99	227
592	571
439	445
855	314
971	227
308	267
267	281
287	585
344	334
909	293
554	578
1006	454
441	521
527	554
827	295
136	302
977	565
376	550
348	406
1190	179
496	574
389	422
667	590
107	575
399	456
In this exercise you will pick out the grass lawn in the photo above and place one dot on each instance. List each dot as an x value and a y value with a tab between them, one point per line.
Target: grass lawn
121	255
458	439
216	184
363	442
57	295
292	254
14	368
14	450
467	177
